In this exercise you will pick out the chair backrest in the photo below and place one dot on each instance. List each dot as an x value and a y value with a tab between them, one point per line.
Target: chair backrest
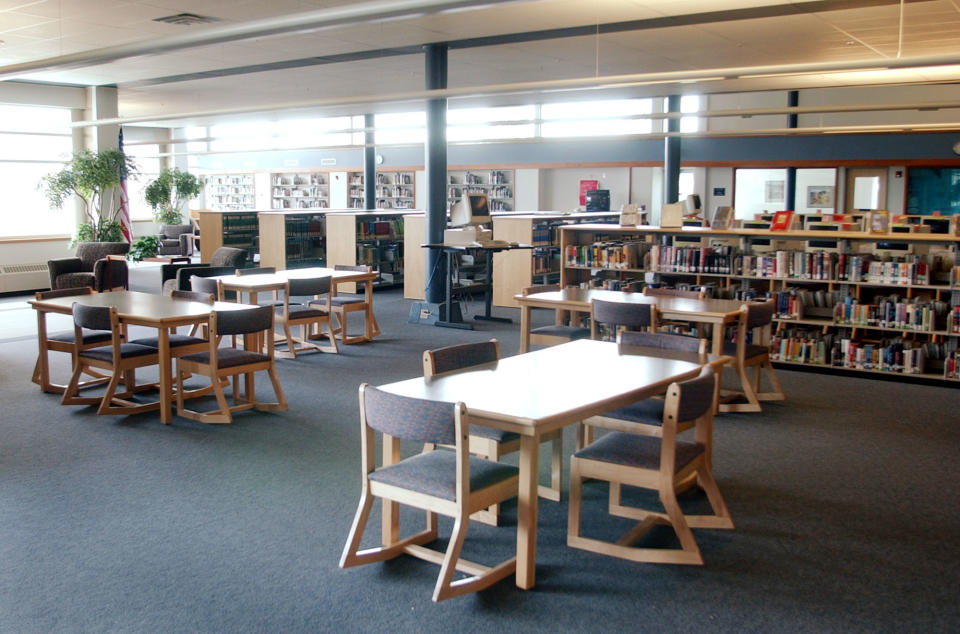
195	296
112	272
539	288
93	317
64	292
459	357
308	286
205	285
240	322
90	252
172	232
691	399
674	292
229	256
760	314
408	418
663	341
260	270
629	315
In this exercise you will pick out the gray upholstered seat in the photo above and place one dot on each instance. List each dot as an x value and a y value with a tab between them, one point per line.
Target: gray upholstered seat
175	240
90	268
435	473
633	450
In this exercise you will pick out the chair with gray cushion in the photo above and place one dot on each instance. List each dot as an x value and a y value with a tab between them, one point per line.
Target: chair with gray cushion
608	318
175	240
121	358
630	457
290	315
225	261
487	442
451	483
755	324
343	304
90	267
559	331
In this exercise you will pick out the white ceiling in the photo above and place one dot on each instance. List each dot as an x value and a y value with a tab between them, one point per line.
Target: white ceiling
40	29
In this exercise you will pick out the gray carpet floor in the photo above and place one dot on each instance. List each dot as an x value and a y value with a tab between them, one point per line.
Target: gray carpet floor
845	500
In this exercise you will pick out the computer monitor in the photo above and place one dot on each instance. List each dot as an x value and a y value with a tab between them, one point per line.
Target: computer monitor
472	209
597	200
691	205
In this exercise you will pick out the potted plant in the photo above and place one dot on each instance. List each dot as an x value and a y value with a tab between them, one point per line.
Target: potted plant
168	193
94	178
144	247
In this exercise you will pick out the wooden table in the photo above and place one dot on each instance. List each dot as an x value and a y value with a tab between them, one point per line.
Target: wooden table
134	309
718	312
268	282
536	393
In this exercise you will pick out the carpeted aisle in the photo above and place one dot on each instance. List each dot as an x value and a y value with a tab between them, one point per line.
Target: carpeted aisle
844	498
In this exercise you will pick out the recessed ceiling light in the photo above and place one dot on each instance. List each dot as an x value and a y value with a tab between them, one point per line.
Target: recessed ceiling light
187	19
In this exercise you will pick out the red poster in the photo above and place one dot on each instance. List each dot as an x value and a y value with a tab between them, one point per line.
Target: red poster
586	186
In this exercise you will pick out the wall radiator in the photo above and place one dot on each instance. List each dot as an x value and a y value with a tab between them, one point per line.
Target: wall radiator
23	277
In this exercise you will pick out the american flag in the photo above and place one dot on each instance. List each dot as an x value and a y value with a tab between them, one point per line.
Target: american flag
124	215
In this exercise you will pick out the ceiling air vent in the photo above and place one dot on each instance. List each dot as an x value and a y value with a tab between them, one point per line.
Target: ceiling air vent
187	19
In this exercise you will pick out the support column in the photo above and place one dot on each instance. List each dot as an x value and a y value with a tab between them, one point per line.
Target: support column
435	162
369	164
671	154
790	186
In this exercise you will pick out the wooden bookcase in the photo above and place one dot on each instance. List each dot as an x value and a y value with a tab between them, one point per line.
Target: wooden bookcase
229	192
497	184
292	239
228	229
890	302
375	238
300	190
518	268
394	190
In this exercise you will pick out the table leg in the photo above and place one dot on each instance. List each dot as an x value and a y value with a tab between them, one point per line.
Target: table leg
488	294
527	511
43	362
166	386
370	322
719	329
524	328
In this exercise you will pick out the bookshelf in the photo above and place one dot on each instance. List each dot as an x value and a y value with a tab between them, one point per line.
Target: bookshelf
852	301
496	184
228	229
229	192
374	238
518	268
292	239
394	190
300	190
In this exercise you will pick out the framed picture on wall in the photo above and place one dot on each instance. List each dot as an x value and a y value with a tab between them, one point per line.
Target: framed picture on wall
773	191
878	221
820	196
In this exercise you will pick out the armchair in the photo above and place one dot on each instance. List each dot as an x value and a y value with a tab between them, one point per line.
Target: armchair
175	240
225	261
90	267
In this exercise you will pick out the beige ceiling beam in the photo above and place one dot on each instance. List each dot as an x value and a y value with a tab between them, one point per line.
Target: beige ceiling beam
361	12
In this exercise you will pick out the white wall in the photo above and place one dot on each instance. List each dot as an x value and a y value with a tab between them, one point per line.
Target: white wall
526	190
560	188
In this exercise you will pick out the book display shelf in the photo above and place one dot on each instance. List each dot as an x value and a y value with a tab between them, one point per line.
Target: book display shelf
850	300
228	229
372	237
292	239
300	190
229	192
496	184
516	269
394	190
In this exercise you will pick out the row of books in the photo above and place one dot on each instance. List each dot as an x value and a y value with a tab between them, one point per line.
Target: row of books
672	259
606	255
374	255
800	303
892	312
887	355
367	229
545	261
817	265
951	365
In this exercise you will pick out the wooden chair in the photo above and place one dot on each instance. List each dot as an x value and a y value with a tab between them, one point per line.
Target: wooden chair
484	441
181	345
122	359
219	364
617	315
756	318
207	285
452	483
660	464
263	270
65	342
659	291
558	332
345	304
290	315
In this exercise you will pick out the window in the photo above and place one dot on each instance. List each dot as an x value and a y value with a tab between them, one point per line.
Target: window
400	127
688	103
596	118
149	165
282	135
758	191
34	141
478	124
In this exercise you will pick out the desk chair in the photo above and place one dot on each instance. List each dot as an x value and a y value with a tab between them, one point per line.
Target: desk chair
558	332
345	304
262	270
452	483
65	342
484	441
660	464
122	359
658	291
617	315
219	364
290	315
756	318
181	345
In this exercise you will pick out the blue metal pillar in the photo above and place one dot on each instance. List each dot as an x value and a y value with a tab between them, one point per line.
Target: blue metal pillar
435	162
790	187
369	164
671	155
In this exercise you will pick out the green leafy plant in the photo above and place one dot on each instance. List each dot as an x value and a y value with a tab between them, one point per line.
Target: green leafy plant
144	247
168	193
94	178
